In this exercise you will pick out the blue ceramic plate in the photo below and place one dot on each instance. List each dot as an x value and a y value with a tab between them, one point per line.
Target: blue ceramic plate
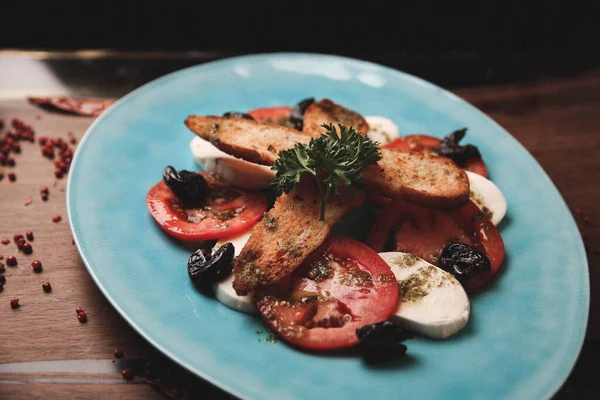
525	332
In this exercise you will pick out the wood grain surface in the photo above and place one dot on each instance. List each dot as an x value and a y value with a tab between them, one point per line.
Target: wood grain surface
556	119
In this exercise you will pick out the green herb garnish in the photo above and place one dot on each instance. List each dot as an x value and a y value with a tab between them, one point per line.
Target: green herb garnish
334	160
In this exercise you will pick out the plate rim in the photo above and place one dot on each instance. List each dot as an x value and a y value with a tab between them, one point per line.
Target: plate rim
578	342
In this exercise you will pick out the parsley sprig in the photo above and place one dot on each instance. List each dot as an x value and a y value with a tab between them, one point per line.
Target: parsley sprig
334	160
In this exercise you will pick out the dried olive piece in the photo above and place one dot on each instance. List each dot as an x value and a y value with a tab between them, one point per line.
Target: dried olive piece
189	187
450	148
204	267
380	341
386	331
462	260
235	114
297	114
377	351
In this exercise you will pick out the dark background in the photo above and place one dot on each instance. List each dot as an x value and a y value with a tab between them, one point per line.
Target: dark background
451	44
302	26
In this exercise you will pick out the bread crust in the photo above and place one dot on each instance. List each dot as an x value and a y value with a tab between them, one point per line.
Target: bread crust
287	234
421	178
325	112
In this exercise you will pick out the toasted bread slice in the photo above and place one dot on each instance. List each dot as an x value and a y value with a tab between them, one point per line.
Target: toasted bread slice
286	235
325	112
417	177
421	178
246	139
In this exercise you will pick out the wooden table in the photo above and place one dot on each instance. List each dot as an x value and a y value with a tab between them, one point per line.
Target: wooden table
556	118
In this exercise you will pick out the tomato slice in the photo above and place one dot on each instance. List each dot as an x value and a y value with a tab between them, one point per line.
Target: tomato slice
228	212
341	287
278	115
476	165
431	143
425	232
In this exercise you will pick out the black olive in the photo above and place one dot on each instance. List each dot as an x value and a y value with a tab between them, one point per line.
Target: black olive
380	341
189	187
450	148
376	351
463	261
382	331
297	114
204	267
235	114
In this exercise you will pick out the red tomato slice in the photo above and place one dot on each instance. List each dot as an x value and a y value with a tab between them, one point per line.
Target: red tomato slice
414	143
430	143
476	165
277	115
228	212
424	233
341	287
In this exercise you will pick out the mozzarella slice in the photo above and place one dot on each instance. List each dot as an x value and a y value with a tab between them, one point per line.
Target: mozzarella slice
430	301
238	172
224	291
381	130
487	196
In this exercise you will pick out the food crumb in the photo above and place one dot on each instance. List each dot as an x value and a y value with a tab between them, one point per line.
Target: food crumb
128	374
14	303
118	353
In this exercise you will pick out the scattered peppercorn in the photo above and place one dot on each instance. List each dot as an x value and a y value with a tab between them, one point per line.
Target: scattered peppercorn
128	374
5	241
10	162
44	190
2	279
56	218
82	317
11	261
29	235
18	237
118	353
27	249
12	177
14	303
47	287
37	266
78	310
20	243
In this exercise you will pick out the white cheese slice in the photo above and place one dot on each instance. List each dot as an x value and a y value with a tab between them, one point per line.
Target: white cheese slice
224	291
431	301
487	196
381	129
238	172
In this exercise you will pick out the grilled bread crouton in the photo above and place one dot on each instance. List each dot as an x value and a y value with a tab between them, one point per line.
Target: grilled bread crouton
287	234
325	112
421	178
417	177
246	139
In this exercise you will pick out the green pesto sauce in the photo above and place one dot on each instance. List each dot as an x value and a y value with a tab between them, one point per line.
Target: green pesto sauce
420	283
479	201
405	260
